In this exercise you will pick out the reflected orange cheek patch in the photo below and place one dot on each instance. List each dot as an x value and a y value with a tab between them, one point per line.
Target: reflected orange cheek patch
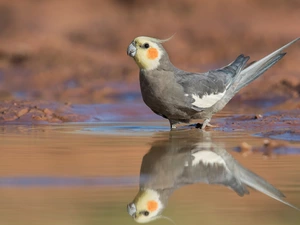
152	206
152	53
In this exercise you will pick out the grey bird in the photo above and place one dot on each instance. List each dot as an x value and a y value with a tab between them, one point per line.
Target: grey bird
183	160
181	96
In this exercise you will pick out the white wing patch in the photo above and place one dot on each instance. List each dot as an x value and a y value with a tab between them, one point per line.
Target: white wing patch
207	157
207	100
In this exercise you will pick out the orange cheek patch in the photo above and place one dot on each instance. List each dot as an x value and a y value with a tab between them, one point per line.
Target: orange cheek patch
152	53
152	206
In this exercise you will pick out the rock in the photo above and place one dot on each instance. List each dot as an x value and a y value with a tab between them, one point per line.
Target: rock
48	112
245	148
23	112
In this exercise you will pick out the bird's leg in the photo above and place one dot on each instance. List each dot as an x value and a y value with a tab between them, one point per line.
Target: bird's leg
173	124
206	123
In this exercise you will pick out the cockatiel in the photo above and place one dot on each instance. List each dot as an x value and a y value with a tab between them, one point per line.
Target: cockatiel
181	96
179	161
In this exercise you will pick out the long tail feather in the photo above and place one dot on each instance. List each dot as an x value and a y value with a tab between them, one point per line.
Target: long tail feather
252	180
253	71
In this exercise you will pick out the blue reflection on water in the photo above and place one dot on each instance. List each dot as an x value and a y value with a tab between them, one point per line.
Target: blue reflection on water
49	181
125	129
287	135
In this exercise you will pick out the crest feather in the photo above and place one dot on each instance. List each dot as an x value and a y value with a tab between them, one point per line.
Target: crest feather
162	40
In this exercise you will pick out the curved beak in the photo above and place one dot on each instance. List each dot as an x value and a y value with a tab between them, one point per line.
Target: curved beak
131	50
131	209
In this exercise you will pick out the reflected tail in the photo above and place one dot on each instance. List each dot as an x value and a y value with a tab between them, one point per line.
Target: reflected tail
253	180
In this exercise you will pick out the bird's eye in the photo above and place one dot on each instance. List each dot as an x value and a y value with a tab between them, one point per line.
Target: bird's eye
146	213
146	45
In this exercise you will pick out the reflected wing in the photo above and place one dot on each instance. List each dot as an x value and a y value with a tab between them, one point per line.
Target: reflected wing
208	167
217	166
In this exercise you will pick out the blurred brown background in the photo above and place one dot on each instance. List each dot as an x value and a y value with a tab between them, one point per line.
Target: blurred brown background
75	50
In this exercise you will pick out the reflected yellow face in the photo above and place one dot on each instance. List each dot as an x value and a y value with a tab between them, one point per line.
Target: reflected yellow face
147	206
146	52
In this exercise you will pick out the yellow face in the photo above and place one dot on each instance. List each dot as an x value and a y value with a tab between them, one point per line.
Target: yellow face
147	206
146	52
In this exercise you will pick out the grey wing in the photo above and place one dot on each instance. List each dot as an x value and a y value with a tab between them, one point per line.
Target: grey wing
204	90
208	167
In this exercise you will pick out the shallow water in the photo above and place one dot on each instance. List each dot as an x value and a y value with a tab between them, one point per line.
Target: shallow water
88	173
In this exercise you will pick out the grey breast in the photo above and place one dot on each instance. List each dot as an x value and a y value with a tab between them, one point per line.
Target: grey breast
162	93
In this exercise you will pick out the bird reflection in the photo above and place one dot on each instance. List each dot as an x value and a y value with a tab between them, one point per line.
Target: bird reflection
185	158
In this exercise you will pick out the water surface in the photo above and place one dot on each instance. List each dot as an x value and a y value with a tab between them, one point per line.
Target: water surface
88	173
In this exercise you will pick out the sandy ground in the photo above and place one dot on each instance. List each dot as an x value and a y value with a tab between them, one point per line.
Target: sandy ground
74	52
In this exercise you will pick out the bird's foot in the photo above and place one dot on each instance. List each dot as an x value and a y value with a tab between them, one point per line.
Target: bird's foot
185	127
193	126
212	126
173	127
197	125
205	125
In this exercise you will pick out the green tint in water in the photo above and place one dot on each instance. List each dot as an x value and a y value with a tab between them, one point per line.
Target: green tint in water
77	175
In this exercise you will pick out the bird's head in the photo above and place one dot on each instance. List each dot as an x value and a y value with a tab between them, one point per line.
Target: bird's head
147	52
146	206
